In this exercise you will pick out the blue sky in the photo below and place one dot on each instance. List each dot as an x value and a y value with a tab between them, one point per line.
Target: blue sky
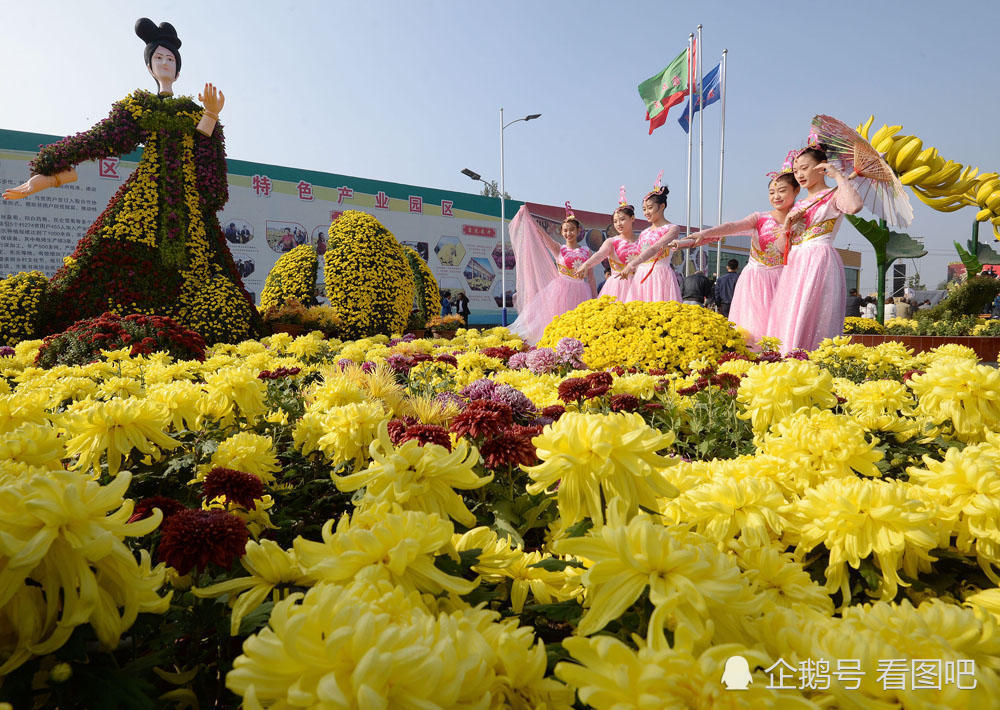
410	91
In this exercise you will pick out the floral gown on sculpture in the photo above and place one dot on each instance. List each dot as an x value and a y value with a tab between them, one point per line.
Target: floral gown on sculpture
158	247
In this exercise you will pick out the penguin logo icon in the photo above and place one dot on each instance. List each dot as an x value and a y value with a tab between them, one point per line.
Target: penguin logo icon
736	675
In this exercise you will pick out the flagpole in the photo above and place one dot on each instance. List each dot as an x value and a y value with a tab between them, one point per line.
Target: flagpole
701	147
722	162
687	221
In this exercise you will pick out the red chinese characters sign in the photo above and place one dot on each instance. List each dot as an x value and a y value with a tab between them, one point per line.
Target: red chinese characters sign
474	231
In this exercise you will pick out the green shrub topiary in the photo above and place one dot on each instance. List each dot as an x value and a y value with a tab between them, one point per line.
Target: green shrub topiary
368	278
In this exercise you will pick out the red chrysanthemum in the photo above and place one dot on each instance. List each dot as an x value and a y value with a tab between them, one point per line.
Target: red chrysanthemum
238	487
144	508
447	359
573	389
511	447
624	403
726	381
724	357
427	434
502	352
397	428
553	411
191	539
482	417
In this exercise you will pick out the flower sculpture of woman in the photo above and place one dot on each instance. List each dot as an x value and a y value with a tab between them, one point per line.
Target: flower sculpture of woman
158	247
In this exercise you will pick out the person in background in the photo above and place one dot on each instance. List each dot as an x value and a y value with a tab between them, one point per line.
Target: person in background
462	306
890	309
445	304
854	304
903	309
927	304
870	309
696	288
725	287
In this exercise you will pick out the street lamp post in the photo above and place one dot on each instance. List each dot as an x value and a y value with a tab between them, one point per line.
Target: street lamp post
472	175
503	218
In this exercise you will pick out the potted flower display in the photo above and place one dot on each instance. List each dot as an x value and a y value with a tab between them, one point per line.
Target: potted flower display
445	326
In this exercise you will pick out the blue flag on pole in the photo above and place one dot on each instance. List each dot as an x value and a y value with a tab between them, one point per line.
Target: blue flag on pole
712	93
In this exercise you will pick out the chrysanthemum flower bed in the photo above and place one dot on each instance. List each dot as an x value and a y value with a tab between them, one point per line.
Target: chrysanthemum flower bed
470	524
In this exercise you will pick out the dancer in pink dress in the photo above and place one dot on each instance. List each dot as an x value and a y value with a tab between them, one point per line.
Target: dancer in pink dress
811	295
756	285
617	250
657	282
557	286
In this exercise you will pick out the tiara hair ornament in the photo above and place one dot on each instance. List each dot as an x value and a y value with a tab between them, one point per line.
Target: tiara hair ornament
811	142
657	186
622	201
569	211
786	167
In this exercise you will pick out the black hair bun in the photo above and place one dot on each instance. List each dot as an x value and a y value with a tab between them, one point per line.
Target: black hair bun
164	33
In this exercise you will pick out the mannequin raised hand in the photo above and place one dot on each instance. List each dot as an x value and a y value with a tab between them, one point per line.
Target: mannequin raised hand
213	100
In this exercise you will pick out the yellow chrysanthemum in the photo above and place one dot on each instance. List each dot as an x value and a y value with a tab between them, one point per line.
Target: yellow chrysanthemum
246	452
19	408
818	444
181	399
239	388
33	444
689	580
723	509
341	433
593	458
334	392
418	477
856	519
965	490
401	544
64	534
778	580
495	553
545	586
115	428
772	391
609	675
269	566
962	393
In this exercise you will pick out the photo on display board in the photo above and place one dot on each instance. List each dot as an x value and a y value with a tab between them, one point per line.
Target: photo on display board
319	238
508	256
237	231
282	237
450	251
245	267
479	274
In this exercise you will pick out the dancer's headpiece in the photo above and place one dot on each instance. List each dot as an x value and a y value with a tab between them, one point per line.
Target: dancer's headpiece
786	167
569	211
657	184
622	200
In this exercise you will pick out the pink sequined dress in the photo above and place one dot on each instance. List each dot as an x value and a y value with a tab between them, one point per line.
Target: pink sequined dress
811	295
621	251
755	288
655	280
563	293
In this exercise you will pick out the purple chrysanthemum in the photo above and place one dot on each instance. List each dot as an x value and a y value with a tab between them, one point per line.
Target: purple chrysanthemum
569	351
515	399
449	396
480	389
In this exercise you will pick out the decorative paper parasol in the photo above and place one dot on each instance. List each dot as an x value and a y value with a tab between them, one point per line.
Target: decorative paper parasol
871	176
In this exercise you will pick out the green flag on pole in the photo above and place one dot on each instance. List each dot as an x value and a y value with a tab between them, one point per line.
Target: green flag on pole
668	88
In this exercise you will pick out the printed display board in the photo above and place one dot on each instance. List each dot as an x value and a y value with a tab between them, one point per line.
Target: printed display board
271	209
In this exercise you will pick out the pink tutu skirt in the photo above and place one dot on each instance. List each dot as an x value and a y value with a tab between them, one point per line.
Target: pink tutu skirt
660	286
753	297
810	299
563	293
619	288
